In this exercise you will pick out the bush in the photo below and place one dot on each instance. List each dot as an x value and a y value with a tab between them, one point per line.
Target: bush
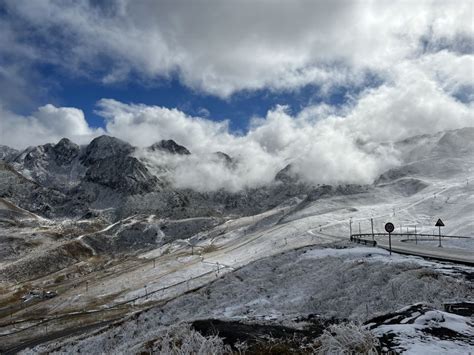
182	340
346	339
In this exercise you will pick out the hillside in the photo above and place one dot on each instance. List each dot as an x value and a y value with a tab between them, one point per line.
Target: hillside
133	256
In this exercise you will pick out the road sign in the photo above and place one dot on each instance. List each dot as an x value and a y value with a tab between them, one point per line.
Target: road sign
389	227
439	224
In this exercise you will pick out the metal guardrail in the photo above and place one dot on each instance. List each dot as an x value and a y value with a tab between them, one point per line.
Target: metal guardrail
362	235
364	241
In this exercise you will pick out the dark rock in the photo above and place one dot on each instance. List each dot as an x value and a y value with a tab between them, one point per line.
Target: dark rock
104	147
225	158
65	151
7	153
287	175
169	146
122	173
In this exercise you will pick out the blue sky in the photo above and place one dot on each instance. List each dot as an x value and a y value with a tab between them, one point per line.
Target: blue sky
84	92
362	67
170	93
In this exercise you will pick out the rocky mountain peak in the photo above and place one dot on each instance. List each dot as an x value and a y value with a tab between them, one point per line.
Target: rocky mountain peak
123	174
287	175
169	146
32	156
65	143
7	153
65	151
225	158
105	147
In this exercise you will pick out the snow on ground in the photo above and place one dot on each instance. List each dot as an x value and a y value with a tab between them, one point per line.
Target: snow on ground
371	254
170	271
340	283
451	200
353	283
420	329
173	263
456	243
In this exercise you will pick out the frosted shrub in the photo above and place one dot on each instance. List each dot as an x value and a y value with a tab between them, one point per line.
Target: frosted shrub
346	339
182	340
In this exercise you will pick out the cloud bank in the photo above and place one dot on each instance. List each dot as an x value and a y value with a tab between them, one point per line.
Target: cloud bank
420	52
324	144
223	47
46	125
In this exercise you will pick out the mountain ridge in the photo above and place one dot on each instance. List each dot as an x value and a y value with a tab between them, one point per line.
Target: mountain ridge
106	173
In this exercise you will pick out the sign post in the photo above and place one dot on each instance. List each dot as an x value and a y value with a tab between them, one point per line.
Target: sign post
372	227
439	224
350	227
389	227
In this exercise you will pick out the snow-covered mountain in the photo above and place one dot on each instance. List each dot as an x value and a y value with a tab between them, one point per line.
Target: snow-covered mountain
111	174
126	250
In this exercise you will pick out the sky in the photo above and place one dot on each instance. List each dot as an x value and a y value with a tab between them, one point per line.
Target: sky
316	84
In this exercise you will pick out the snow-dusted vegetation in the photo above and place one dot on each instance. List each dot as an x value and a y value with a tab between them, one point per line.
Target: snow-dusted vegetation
236	177
334	284
157	270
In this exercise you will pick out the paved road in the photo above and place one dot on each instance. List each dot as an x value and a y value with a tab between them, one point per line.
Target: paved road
445	254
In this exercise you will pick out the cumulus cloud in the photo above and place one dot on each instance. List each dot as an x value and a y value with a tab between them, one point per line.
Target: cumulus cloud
323	144
225	47
48	124
414	104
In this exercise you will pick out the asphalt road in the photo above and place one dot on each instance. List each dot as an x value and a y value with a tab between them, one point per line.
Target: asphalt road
423	250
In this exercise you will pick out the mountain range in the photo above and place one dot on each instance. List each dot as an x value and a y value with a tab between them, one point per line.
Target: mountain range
106	228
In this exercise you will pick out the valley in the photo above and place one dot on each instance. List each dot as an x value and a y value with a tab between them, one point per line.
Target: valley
130	257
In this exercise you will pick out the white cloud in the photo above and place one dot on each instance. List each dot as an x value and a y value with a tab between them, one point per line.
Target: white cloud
453	72
225	47
420	51
144	125
324	144
47	125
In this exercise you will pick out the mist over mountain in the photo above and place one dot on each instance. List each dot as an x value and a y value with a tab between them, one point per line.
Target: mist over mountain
236	177
322	145
111	173
108	212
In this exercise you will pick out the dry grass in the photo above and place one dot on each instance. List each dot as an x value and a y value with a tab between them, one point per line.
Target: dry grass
210	248
15	296
99	301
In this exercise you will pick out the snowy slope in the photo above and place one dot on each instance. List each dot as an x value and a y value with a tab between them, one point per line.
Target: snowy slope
232	255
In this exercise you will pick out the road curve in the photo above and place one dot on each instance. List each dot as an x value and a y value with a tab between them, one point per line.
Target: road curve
444	254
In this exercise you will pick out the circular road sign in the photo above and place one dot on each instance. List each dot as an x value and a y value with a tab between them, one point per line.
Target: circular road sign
389	227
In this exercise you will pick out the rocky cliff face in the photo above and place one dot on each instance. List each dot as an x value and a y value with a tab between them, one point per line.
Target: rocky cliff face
106	175
105	147
65	152
122	173
66	179
7	153
50	165
27	193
